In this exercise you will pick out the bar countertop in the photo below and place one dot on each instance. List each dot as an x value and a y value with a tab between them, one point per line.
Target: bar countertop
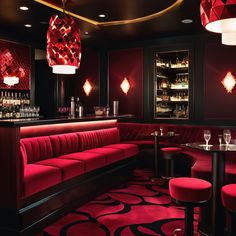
57	120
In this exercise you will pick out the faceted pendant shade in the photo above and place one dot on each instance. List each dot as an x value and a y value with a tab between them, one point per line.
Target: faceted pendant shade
63	44
219	16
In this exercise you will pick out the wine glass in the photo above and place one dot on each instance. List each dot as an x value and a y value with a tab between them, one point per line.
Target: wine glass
207	136
220	136
227	136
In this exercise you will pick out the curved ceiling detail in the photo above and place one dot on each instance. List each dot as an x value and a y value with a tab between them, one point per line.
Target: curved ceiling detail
117	22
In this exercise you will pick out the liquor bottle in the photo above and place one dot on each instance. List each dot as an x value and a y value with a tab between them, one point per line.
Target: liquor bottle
78	108
72	107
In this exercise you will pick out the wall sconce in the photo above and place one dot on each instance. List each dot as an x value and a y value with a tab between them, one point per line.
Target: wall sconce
63	44
229	82
87	87
125	86
219	16
10	80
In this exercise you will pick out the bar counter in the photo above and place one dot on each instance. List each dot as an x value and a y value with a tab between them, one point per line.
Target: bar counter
21	122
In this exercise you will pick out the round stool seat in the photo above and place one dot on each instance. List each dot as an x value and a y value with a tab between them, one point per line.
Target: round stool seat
228	196
188	189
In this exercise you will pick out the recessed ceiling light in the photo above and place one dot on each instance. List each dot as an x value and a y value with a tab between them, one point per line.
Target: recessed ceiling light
86	32
102	15
43	22
28	25
24	8
187	21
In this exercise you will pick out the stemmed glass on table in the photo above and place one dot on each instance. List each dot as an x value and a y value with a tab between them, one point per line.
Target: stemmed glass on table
207	136
227	136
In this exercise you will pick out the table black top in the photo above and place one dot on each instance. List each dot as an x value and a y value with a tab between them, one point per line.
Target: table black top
212	147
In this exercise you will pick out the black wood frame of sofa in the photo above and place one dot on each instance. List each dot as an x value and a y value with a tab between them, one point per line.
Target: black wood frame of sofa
43	208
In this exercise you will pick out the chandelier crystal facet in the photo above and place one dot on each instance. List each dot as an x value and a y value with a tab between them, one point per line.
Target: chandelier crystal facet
63	44
219	16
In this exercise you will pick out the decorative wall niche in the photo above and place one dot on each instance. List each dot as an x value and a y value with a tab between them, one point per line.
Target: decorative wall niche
14	62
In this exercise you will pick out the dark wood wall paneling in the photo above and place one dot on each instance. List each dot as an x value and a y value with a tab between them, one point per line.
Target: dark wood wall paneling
127	63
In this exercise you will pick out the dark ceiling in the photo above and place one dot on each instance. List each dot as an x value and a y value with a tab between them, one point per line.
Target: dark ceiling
12	19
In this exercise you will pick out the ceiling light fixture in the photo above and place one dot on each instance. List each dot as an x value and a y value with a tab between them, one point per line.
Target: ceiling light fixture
187	21
24	8
28	25
219	16
86	32
63	44
102	15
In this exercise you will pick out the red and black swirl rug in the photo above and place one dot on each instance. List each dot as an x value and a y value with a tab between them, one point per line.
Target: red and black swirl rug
138	208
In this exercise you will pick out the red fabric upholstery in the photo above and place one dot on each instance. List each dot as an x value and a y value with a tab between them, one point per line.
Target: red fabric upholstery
64	143
189	189
91	160
68	168
129	150
228	196
38	148
39	177
112	155
202	170
171	149
88	140
108	136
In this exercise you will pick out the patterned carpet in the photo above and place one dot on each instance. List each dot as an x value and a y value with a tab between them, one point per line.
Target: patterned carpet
138	208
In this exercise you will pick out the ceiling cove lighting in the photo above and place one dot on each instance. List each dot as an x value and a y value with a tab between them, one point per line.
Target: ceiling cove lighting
229	82
125	86
87	87
219	16
63	44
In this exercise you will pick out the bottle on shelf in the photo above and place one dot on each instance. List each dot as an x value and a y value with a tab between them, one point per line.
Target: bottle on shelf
72	107
78	108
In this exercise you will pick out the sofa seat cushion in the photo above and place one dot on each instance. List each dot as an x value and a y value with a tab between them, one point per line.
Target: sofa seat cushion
69	168
111	154
39	177
64	144
129	150
91	160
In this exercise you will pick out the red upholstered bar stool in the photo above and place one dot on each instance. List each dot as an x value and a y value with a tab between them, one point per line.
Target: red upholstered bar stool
189	192
228	196
169	155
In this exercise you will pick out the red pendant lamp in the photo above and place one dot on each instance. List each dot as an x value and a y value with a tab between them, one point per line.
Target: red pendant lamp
219	16
63	44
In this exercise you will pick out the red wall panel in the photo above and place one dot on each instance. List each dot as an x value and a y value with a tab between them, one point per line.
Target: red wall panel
127	63
15	61
218	104
89	69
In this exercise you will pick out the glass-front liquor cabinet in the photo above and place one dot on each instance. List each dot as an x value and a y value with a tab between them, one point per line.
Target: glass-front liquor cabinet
171	85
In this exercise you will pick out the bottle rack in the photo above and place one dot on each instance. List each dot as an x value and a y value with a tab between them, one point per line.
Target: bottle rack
13	103
172	85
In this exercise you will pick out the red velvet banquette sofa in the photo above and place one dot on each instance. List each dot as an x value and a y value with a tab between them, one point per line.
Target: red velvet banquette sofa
137	133
49	160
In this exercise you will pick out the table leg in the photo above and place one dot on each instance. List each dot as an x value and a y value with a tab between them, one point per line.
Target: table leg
156	152
218	173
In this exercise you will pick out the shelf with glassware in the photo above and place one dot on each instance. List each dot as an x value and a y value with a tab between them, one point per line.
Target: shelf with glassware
172	85
16	104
